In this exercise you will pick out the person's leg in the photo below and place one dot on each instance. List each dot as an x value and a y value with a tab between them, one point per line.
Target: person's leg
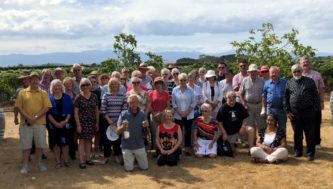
26	139
173	158
317	127
188	137
39	133
56	151
81	151
87	149
201	151
65	154
278	154
298	135
250	131
161	160
211	152
181	124
309	131
258	152
129	157
141	157
153	125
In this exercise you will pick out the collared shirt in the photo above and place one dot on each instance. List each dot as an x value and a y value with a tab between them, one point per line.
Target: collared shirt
225	87
301	94
237	80
252	89
183	101
316	77
274	93
199	99
46	88
32	102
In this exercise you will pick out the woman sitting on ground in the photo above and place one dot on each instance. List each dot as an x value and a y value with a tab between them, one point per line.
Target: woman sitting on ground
271	144
205	133
168	140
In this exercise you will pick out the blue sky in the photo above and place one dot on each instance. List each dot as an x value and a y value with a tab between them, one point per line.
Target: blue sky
43	26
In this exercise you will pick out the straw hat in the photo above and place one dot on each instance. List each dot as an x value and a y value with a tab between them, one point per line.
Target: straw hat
210	73
252	67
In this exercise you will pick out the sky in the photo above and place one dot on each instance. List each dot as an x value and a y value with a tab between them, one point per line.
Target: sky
45	26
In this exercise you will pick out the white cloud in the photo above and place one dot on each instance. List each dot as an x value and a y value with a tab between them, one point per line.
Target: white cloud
158	24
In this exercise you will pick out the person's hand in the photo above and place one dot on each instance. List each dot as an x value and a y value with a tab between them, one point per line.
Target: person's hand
111	122
246	106
225	137
145	124
164	152
290	116
31	120
196	146
62	124
16	120
210	145
125	123
79	129
263	112
322	105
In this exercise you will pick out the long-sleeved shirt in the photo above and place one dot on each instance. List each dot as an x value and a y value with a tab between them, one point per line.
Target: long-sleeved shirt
208	95
183	101
113	105
274	93
301	94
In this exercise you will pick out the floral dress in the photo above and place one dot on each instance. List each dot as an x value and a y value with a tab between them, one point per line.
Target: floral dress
87	115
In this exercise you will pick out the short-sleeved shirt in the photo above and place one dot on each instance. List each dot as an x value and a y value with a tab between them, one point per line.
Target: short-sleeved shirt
316	77
252	89
206	130
32	102
135	141
159	100
232	117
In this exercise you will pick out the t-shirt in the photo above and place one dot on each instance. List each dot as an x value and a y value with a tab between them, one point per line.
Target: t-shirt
135	141
205	130
159	100
168	137
232	117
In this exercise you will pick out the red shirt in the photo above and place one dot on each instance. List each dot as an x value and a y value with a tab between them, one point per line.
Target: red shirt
159	100
141	86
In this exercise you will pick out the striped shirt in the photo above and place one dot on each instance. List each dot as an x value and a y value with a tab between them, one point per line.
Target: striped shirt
113	105
206	130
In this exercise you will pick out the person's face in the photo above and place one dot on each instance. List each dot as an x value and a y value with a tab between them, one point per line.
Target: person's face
126	73
93	83
192	78
253	74
122	80
143	71
68	86
243	67
133	103
57	88
202	74
274	74
183	81
86	87
265	74
305	64
297	73
231	99
159	85
229	77
205	112
47	76
168	116
59	75
136	84
114	88
104	80
165	76
175	75
211	79
221	67
77	72
26	82
34	82
270	121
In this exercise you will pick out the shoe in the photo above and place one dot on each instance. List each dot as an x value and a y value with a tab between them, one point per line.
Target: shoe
44	156
119	160
58	165
67	164
82	165
90	163
318	146
41	167
310	158
105	161
24	169
297	155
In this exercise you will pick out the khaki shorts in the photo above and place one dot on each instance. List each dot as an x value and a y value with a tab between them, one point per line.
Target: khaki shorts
33	132
232	138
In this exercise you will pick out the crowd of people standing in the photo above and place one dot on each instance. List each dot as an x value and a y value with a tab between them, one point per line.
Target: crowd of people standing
172	114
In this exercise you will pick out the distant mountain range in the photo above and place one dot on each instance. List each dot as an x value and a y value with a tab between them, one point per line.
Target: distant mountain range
88	57
96	56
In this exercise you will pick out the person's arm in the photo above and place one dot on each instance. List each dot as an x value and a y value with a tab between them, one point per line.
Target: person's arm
157	140
222	130
77	120
97	117
283	143
179	141
242	95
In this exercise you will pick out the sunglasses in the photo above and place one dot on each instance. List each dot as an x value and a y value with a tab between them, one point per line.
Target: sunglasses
297	71
242	66
183	80
136	83
264	71
205	111
221	67
122	78
232	97
85	85
105	78
125	71
165	74
175	73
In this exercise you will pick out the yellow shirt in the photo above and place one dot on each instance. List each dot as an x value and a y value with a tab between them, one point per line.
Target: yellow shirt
32	102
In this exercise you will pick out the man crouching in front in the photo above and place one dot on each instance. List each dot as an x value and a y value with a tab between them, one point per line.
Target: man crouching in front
131	122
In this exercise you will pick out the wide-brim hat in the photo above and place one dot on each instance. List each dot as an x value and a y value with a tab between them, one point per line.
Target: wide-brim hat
25	74
210	73
158	79
143	66
252	67
111	133
34	74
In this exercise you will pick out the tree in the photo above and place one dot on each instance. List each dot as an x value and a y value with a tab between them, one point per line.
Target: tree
154	60
124	47
264	47
109	65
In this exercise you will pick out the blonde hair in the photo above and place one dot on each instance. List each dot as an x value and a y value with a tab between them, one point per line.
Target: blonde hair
166	111
113	81
136	73
56	82
68	79
84	81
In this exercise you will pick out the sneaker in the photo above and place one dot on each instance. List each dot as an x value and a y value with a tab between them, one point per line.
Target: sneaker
41	167
318	146
24	169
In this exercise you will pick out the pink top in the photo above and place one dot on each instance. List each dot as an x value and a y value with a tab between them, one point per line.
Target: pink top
316	77
237	80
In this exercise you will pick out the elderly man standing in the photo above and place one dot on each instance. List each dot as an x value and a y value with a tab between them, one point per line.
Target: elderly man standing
130	125
32	103
238	78
272	97
308	72
301	102
251	91
77	70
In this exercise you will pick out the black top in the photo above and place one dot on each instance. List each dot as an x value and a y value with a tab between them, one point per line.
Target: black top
232	117
301	95
59	103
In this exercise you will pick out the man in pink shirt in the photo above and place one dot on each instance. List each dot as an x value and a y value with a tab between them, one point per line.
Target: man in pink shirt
316	76
238	78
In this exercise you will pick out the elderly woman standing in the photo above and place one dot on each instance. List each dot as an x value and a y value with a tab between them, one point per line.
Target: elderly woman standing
271	143
206	133
113	103
211	91
168	140
145	104
184	103
59	122
87	120
160	101
197	93
46	80
202	78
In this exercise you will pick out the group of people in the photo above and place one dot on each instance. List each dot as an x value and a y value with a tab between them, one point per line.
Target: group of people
169	112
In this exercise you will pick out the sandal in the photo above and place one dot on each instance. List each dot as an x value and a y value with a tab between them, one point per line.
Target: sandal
58	165
82	165
90	162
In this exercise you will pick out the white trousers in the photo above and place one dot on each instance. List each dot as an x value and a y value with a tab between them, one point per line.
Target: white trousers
278	154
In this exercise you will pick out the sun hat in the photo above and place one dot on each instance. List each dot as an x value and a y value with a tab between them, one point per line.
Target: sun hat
34	74
210	73
158	79
25	74
143	66
252	67
111	133
264	68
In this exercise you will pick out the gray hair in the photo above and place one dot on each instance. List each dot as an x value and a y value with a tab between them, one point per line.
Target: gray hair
133	95
202	69
165	70
174	70
274	68
182	76
296	67
304	58
56	82
85	81
207	106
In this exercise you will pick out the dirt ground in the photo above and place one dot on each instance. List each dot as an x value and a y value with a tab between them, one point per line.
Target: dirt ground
222	172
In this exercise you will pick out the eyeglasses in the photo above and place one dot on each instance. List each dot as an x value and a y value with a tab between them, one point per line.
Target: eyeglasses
135	82
183	80
105	78
165	74
76	70
85	85
205	111
122	78
221	67
125	71
297	71
232	97
175	73
242	66
264	71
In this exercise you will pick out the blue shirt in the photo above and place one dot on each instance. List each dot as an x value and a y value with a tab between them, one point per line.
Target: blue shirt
274	93
183	101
